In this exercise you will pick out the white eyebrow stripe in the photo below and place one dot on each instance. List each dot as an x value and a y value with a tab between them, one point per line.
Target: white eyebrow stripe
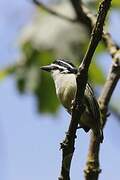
59	67
67	64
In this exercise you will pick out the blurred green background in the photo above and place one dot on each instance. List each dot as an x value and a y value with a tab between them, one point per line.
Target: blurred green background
30	38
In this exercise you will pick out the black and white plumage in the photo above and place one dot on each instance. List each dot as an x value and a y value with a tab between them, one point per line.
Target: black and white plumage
64	75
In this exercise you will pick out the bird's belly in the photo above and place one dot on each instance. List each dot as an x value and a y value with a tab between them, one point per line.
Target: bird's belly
66	97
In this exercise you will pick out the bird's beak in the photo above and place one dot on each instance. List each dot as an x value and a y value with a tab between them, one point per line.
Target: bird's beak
46	68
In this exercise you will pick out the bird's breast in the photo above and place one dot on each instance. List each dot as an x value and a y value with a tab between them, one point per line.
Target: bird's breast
66	90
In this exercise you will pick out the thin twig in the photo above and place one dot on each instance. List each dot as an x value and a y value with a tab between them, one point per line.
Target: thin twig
110	84
84	16
110	44
53	12
68	144
81	16
92	169
96	34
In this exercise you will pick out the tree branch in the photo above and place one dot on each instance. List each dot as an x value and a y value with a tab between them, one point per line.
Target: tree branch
97	32
53	12
109	43
81	15
110	85
84	16
78	108
92	169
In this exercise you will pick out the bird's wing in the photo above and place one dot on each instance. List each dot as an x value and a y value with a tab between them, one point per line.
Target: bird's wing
92	104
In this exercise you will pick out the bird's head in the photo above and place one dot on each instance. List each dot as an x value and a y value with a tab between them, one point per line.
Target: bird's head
62	66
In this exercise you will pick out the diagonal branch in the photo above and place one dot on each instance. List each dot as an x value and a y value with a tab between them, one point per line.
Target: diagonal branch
81	15
53	12
97	32
68	144
92	169
86	17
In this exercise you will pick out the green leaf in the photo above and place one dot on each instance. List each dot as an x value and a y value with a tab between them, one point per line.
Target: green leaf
46	96
29	77
20	77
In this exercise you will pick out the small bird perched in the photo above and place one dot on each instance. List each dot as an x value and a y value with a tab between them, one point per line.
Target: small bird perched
64	75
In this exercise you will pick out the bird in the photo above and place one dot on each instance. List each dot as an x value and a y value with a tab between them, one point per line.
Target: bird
64	74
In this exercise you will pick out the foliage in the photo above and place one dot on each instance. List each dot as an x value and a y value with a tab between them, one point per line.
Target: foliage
42	41
30	78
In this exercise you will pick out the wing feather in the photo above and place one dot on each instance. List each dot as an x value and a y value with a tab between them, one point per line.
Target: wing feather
93	108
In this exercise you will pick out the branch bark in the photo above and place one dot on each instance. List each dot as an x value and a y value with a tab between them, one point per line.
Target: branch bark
92	169
110	85
81	15
53	12
84	15
67	145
